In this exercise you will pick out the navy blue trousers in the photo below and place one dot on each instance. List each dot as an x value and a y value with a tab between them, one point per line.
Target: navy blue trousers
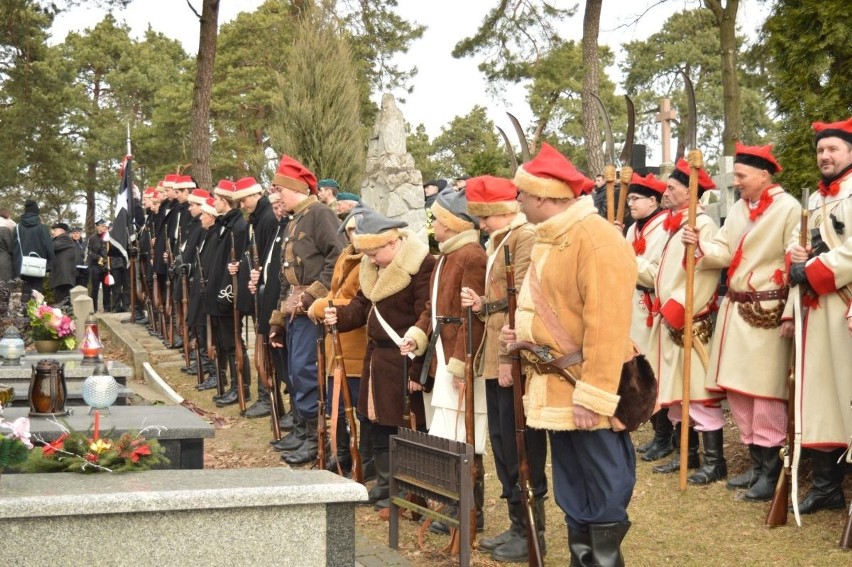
593	475
301	342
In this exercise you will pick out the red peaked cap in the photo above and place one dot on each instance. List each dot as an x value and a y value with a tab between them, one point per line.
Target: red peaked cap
293	175
842	130
681	173
757	156
648	186
169	180
550	174
488	195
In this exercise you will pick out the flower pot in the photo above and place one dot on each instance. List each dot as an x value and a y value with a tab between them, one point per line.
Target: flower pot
47	346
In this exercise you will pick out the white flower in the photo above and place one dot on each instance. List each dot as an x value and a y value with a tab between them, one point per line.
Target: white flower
20	429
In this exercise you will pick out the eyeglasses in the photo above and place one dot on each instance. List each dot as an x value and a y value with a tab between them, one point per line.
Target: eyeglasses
634	198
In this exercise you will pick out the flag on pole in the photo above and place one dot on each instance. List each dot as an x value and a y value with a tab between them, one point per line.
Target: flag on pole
119	234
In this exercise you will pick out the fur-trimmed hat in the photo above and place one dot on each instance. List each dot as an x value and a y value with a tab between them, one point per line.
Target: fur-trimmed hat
488	195
225	189
681	174
245	187
169	181
209	207
757	156
450	208
198	196
373	230
184	182
149	191
551	175
648	186
842	130
293	175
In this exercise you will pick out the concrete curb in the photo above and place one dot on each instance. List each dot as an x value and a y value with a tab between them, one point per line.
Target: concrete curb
159	384
138	353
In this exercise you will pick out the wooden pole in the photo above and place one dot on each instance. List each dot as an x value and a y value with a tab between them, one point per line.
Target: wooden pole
696	162
609	177
626	176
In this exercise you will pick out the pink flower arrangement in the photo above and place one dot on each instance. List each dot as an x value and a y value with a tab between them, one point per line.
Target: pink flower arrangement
48	323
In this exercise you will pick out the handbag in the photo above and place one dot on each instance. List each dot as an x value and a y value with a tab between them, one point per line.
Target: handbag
32	265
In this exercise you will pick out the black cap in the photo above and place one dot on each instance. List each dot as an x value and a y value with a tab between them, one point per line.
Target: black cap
61	225
100	222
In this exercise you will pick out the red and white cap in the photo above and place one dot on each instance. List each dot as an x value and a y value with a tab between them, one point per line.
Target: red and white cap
169	181
551	175
184	182
487	195
293	175
209	207
198	196
226	189
245	187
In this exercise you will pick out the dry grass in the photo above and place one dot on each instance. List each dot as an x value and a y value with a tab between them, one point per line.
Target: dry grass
703	526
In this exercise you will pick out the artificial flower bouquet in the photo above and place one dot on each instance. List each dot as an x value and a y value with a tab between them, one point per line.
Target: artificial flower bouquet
50	323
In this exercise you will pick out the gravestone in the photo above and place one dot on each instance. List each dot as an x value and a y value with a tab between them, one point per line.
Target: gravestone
83	307
393	185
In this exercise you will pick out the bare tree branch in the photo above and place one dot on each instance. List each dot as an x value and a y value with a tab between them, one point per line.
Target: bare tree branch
194	11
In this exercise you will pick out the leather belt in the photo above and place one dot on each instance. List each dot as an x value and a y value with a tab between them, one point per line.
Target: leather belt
540	359
495	306
644	289
440	321
757	296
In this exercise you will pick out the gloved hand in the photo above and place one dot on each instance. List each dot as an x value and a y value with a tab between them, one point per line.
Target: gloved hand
276	336
797	274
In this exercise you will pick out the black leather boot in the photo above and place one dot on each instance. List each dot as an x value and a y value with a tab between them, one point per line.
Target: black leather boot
341	454
826	491
662	445
491	543
292	440
692	460
580	546
750	476
763	488
210	383
715	467
262	407
381	490
287	421
308	450
231	397
478	500
365	447
515	549
641	449
606	543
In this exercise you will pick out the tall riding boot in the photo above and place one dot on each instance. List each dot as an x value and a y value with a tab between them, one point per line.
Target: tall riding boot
223	378
514	530
514	549
288	420
580	546
763	488
750	476
341	454
692	460
292	440
826	491
381	491
365	447
715	467
641	449
231	397
208	367
662	445
308	450
262	407
606	543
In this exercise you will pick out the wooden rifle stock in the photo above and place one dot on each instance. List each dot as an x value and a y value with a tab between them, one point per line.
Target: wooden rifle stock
846	537
184	300
168	331
238	328
321	374
277	406
468	409
777	515
349	411
524	475
160	319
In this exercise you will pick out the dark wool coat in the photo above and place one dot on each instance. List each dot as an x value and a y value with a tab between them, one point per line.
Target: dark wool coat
200	299
193	237
31	236
399	292
96	250
269	286
220	285
164	215
64	270
5	253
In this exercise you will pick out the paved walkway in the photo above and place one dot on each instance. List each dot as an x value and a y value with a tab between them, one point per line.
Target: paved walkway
140	345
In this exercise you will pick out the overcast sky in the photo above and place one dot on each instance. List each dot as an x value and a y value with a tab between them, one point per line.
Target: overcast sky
444	87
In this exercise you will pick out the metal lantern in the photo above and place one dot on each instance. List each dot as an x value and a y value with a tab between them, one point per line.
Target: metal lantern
100	390
91	347
12	347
